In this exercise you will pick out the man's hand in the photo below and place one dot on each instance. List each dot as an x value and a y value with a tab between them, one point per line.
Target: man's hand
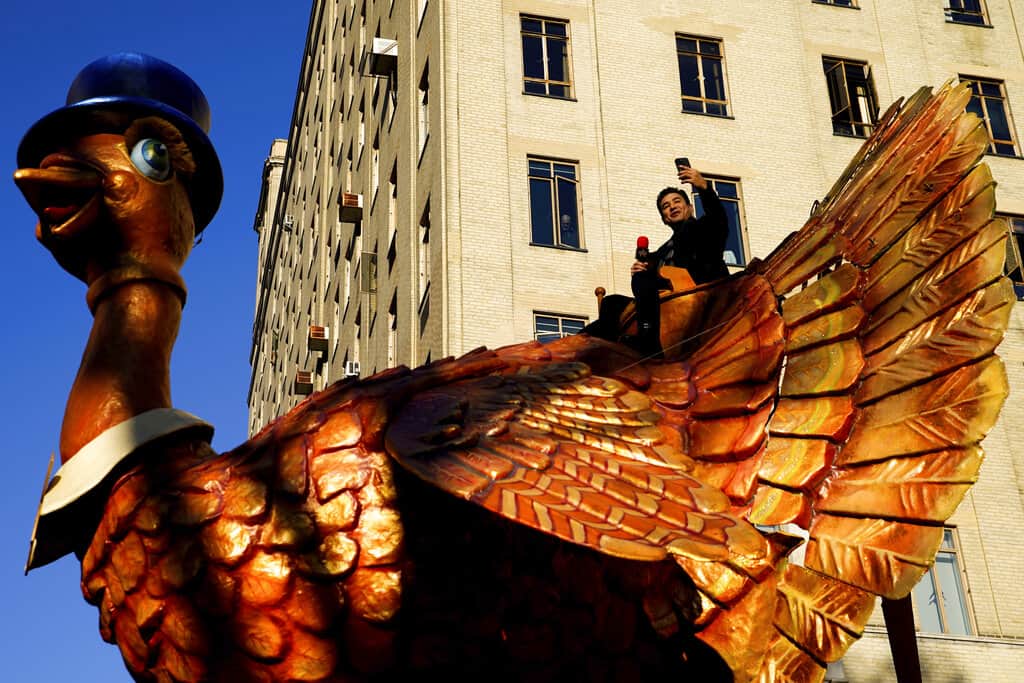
638	267
691	175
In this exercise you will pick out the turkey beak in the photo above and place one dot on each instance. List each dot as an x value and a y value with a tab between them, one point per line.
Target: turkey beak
66	197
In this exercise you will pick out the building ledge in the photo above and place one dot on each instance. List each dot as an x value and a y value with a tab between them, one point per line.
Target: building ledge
986	640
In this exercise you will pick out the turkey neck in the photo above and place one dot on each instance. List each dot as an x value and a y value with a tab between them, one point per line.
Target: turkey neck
125	369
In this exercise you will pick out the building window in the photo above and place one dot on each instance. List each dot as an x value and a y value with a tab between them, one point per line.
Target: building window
939	597
423	261
702	75
1014	249
988	101
546	67
554	203
967	12
392	329
423	109
374	170
548	327
836	3
728	190
851	92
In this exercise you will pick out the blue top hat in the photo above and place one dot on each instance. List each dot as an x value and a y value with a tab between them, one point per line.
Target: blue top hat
127	86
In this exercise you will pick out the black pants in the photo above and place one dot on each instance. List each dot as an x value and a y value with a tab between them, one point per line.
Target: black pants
646	284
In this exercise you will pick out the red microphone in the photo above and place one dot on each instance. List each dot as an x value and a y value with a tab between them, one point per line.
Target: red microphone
643	252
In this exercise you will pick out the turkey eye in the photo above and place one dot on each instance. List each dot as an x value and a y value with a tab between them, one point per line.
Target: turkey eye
151	158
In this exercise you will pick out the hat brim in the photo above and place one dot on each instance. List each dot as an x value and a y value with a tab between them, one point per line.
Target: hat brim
207	183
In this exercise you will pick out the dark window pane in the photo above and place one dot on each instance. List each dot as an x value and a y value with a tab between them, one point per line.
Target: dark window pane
991	89
558	91
842	127
693	106
531	25
556	28
541	169
1005	150
570	326
974	106
565	170
689	78
998	121
535	88
714	83
708	47
558	60
533	57
568	218
726	189
716	109
542	231
686	44
733	243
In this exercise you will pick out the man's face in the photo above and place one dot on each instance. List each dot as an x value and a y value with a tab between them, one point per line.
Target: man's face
674	208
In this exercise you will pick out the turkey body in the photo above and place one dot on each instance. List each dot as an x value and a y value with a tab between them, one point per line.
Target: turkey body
306	555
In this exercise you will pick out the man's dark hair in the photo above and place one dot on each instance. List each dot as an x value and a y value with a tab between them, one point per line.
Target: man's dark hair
668	191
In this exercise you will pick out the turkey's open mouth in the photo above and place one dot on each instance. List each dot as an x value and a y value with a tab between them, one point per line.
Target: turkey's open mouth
62	192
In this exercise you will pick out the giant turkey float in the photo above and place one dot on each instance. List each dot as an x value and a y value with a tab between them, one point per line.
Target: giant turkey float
559	512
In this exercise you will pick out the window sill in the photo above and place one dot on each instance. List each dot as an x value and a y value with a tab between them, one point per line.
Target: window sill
560	247
728	117
851	136
829	4
1004	156
550	97
968	23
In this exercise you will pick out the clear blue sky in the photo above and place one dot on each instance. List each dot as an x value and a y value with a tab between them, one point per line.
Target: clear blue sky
245	56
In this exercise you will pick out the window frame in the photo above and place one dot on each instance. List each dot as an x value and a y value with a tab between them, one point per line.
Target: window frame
842	97
545	38
423	109
1014	251
836	3
704	101
960	589
560	319
983	98
554	179
952	14
739	231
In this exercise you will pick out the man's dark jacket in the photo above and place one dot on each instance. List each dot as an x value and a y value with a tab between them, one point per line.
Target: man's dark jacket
697	244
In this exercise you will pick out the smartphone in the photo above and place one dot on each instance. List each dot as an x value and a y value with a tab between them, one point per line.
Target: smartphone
682	161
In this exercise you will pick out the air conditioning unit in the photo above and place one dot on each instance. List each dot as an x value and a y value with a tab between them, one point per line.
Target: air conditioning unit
318	337
288	223
382	57
352	368
304	382
350	207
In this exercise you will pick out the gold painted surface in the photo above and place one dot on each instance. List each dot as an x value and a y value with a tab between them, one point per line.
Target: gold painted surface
925	488
824	615
823	369
953	410
969	330
834	291
796	463
826	416
778	506
841	324
380	536
884	557
227	540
